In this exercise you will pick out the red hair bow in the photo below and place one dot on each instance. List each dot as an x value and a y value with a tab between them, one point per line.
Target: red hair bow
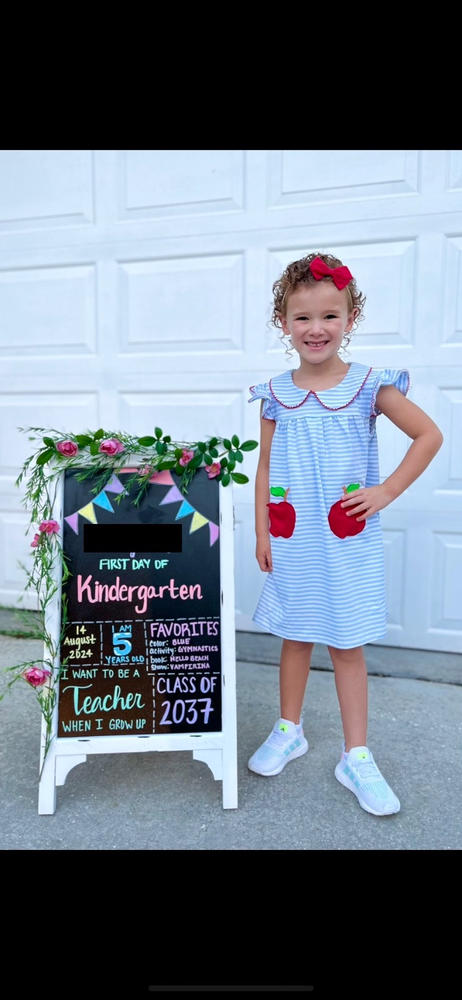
341	276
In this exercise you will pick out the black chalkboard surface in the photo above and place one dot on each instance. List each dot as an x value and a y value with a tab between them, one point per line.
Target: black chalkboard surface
140	651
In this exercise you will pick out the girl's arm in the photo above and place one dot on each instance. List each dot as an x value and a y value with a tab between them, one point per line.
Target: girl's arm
262	494
427	440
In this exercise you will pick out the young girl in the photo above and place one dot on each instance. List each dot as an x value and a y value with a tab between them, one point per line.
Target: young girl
317	502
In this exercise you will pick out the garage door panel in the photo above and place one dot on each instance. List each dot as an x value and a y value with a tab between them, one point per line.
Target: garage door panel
38	410
157	182
350	173
208	412
47	309
186	304
45	188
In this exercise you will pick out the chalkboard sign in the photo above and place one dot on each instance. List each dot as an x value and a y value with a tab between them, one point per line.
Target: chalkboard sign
141	650
146	647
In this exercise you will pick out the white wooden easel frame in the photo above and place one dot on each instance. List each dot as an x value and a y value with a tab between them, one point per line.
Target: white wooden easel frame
217	750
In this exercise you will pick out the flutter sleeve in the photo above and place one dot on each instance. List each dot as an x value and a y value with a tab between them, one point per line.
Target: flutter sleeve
263	391
389	376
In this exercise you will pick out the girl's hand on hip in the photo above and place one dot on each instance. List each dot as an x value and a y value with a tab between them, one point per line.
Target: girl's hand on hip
263	554
365	502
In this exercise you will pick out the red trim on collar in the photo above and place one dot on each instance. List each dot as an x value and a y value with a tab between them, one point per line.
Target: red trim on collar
312	392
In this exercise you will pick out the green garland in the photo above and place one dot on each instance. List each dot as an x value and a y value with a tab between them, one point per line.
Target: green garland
97	454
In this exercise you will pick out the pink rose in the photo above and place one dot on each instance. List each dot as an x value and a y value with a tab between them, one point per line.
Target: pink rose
36	676
111	446
186	457
50	527
67	448
213	470
36	541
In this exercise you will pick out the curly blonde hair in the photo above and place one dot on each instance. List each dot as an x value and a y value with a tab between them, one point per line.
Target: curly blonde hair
298	273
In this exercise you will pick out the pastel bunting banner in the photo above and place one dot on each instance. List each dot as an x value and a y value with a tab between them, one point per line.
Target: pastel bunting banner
158	479
214	531
103	501
162	479
172	496
73	522
114	486
88	513
197	521
184	510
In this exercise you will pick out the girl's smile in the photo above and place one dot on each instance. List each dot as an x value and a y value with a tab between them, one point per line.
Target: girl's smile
316	345
316	319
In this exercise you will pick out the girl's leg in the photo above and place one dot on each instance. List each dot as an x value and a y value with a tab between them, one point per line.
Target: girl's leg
293	676
351	683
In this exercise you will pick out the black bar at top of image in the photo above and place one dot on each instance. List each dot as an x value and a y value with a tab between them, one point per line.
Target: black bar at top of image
231	989
113	538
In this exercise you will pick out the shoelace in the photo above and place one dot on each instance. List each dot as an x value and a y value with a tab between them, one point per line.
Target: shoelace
277	737
367	770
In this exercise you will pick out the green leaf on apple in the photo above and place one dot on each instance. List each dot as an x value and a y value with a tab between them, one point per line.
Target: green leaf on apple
277	491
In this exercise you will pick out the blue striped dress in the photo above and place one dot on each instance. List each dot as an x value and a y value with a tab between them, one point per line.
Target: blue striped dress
324	588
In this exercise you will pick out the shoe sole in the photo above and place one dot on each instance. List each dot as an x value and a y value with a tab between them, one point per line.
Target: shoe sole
295	753
344	780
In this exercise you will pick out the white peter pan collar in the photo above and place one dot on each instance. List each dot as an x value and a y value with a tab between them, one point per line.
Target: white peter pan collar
282	388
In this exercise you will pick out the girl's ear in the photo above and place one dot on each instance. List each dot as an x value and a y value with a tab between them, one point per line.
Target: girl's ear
351	318
285	328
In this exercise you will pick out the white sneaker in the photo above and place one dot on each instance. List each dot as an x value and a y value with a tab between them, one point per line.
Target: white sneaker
285	743
358	771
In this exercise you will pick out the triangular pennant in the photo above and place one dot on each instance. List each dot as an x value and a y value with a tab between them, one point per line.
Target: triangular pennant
214	532
197	521
114	485
103	501
89	513
184	510
73	521
163	478
172	496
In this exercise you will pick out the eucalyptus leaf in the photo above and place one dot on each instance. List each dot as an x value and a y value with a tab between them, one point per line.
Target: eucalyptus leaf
169	463
45	456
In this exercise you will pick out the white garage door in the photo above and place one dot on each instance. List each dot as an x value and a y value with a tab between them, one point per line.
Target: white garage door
135	291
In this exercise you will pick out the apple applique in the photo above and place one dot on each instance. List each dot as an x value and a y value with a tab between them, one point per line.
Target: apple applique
339	522
282	515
